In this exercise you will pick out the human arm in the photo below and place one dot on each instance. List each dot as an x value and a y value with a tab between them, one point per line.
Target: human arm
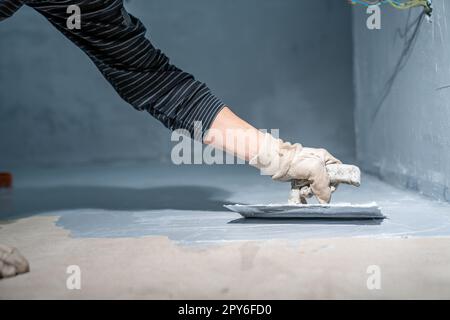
282	161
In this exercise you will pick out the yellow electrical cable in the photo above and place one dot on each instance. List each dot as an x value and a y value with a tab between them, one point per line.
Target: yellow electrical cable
409	4
397	4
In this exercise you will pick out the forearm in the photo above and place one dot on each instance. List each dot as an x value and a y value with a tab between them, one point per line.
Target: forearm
235	136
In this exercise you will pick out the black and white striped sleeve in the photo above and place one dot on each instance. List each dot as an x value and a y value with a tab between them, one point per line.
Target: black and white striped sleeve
9	7
141	74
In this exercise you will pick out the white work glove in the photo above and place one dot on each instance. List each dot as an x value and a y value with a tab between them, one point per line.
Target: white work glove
286	162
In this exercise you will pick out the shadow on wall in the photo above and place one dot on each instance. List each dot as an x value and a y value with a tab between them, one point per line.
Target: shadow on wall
24	202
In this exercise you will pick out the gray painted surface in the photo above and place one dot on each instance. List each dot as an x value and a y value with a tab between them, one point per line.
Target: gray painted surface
185	203
402	113
280	64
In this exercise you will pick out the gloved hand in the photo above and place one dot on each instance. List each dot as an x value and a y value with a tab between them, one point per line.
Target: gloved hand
285	162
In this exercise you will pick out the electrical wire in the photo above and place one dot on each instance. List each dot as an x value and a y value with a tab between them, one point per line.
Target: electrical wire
408	4
398	4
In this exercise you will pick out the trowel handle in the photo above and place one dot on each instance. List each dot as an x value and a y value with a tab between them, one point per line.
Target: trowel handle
339	173
344	173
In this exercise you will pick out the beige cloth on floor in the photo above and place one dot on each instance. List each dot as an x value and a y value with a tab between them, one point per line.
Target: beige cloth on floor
12	263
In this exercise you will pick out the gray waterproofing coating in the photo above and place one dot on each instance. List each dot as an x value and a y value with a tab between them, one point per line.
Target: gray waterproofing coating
309	211
265	63
402	97
186	204
400	85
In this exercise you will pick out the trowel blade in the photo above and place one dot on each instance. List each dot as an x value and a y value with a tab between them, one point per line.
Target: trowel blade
309	211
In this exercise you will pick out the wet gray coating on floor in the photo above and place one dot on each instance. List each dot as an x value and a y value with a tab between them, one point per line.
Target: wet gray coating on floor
185	203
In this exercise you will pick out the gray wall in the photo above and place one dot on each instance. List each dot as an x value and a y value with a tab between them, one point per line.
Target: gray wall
402	109
279	64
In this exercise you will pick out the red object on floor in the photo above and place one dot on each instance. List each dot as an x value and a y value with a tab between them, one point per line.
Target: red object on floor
6	180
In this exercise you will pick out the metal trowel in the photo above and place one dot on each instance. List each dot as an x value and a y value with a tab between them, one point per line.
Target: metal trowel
297	206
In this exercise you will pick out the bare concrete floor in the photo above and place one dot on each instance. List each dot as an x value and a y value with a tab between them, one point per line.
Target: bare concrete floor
140	231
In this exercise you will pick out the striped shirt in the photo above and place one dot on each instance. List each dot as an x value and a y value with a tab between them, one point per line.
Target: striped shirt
140	73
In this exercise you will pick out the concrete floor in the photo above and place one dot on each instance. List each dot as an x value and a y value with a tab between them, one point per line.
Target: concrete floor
132	222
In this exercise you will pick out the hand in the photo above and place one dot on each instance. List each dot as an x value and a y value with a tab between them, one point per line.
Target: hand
308	169
303	189
287	162
322	155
